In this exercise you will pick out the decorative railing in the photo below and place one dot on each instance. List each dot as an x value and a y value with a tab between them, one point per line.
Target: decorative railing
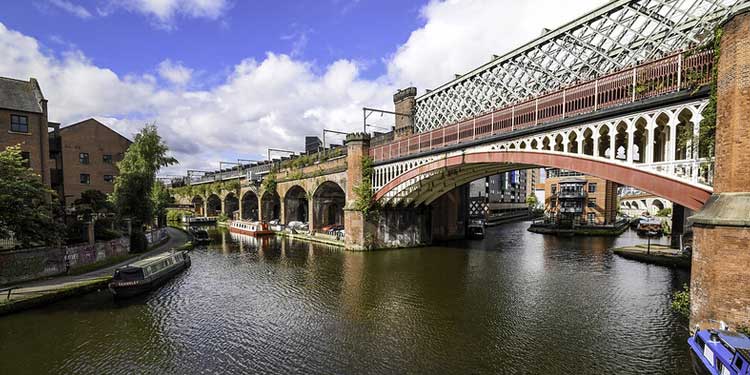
699	171
679	71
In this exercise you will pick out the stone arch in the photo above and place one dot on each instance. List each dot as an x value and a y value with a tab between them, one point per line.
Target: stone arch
231	205
604	141
657	205
572	140
621	140
546	144
249	206
270	206
661	137
558	143
522	145
684	124
213	205
328	203
640	139
534	144
588	142
295	205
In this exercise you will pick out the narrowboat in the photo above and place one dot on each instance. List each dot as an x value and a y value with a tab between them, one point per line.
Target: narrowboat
147	274
475	229
199	220
251	228
720	352
200	236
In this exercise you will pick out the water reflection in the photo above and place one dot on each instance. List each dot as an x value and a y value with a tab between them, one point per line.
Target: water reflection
516	302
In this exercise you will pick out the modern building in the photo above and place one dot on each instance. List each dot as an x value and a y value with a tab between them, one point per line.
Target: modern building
23	122
500	193
575	198
90	151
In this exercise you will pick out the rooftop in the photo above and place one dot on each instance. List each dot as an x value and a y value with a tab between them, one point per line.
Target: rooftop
21	95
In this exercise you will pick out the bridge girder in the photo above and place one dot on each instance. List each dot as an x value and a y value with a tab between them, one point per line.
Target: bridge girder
616	35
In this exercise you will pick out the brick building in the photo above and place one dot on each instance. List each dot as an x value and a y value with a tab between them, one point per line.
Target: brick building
498	193
23	121
90	151
572	197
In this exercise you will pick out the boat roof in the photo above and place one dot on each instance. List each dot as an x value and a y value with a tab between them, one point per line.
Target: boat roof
735	339
147	261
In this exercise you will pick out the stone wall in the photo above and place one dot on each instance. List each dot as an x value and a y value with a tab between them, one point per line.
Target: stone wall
30	264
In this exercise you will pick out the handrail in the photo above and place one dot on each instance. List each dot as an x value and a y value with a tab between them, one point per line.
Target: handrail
679	71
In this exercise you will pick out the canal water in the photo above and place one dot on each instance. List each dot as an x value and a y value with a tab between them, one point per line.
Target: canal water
514	303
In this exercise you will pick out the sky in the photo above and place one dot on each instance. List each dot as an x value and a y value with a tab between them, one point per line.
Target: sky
227	79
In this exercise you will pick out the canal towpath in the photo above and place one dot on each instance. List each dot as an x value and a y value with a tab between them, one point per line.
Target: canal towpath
41	292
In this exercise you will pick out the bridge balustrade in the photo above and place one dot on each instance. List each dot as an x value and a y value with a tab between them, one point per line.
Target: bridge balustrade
679	71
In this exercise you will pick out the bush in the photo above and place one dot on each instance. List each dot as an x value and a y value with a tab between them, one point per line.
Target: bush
664	212
222	217
681	301
138	242
177	215
107	235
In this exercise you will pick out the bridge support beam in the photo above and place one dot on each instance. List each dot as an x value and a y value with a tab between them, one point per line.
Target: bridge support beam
719	287
356	235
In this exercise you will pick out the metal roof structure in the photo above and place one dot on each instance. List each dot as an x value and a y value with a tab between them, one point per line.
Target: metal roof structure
616	35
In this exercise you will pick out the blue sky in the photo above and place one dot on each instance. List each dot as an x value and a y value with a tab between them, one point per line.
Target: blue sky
227	79
129	41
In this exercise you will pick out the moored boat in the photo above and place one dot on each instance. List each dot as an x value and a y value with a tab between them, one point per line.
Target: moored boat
200	236
147	274
251	228
720	352
476	228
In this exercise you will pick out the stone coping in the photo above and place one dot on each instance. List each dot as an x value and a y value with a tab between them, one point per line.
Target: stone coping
724	209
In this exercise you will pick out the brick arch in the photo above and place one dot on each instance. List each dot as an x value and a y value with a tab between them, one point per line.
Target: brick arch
683	193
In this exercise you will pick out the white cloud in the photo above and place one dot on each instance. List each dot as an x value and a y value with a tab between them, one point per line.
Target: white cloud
460	35
165	10
273	102
176	73
277	100
74	9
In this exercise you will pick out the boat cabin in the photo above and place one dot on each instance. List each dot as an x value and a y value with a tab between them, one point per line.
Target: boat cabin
720	352
146	268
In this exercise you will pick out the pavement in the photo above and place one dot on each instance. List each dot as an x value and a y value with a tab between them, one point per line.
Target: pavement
52	285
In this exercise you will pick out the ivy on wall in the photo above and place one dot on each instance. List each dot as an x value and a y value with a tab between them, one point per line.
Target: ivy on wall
363	191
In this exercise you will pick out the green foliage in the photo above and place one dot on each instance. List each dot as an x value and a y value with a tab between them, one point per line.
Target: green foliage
681	301
269	183
160	199
223	218
177	215
134	185
531	201
187	191
27	207
363	191
664	212
745	330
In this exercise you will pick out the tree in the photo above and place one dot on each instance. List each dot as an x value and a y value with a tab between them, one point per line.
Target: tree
161	199
27	206
531	201
133	187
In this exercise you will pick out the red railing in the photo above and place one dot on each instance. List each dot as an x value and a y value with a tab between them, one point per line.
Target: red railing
673	73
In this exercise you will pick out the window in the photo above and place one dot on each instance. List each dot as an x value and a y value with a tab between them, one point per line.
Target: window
738	362
19	124
591	217
85	178
591	203
83	158
592	187
552	202
26	159
107	158
553	188
108	178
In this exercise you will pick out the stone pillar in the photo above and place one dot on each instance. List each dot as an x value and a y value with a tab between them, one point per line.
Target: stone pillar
260	206
282	211
720	273
357	147
405	102
311	219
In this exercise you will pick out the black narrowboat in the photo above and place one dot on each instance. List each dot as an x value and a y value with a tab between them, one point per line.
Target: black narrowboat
147	274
